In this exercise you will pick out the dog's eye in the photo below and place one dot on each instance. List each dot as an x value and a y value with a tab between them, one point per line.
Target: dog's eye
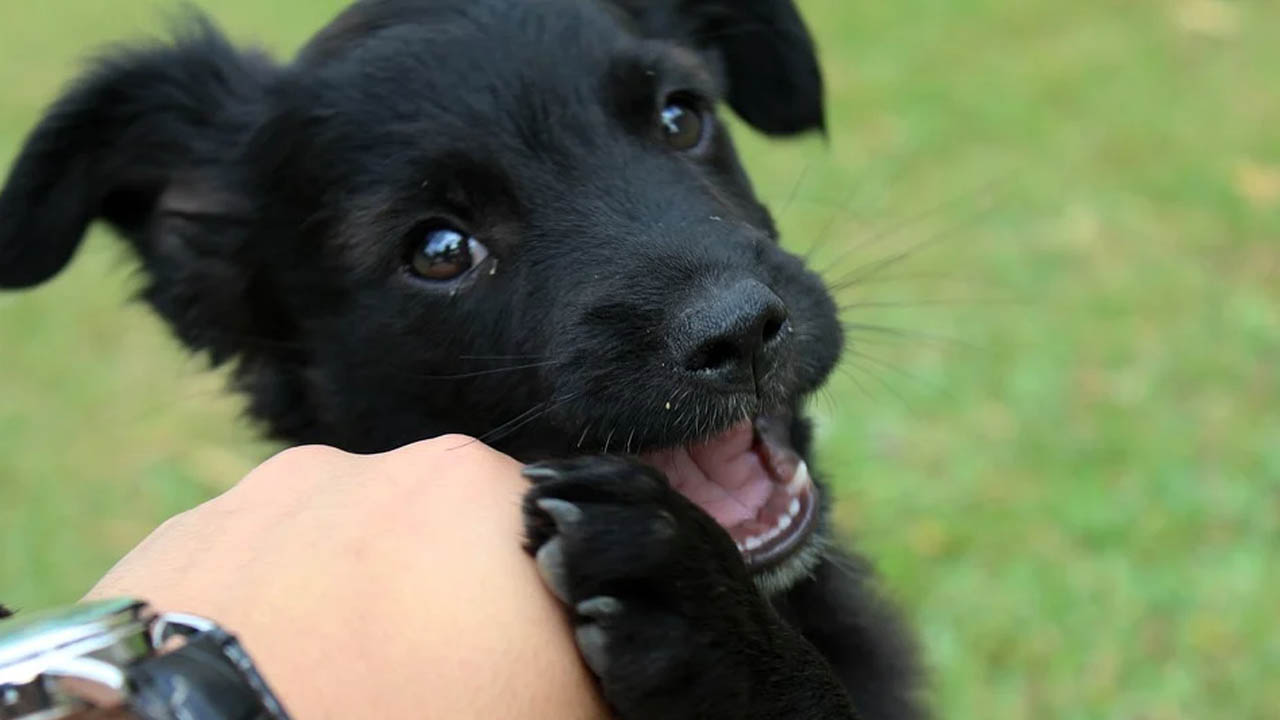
444	254
682	123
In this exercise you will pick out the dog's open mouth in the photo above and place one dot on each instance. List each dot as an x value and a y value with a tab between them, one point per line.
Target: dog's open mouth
752	482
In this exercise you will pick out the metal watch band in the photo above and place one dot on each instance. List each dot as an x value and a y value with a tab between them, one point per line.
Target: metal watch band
209	678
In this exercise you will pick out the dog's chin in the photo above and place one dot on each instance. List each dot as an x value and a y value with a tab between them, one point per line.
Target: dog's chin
754	483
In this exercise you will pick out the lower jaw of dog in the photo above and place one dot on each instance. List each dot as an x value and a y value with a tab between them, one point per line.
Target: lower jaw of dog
751	480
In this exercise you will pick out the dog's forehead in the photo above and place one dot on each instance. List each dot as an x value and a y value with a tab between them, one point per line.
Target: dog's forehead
506	33
464	62
509	83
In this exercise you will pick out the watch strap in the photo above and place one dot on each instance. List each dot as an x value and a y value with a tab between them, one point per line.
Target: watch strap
209	678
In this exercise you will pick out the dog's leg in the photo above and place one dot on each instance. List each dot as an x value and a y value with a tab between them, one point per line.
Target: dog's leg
838	609
664	610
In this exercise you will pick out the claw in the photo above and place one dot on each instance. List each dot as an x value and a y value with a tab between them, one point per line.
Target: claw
563	512
538	473
593	644
599	607
552	568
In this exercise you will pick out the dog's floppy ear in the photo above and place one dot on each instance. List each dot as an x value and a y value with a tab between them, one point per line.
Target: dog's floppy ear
768	56
117	141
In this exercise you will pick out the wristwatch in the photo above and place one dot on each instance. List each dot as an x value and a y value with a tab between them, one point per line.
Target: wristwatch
121	654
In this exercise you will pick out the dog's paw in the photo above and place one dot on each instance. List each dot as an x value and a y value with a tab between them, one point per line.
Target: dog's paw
665	613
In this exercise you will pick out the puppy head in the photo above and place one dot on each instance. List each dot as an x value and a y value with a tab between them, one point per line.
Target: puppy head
519	220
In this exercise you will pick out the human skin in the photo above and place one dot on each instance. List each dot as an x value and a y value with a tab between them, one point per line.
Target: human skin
386	586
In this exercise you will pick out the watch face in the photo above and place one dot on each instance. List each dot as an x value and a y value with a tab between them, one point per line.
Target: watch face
26	639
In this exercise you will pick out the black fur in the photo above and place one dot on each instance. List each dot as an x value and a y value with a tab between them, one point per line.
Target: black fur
275	209
619	536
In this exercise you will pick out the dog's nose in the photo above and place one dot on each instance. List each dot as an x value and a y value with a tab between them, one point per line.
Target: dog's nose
731	335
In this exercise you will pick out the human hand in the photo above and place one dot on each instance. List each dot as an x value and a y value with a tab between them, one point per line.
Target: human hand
374	586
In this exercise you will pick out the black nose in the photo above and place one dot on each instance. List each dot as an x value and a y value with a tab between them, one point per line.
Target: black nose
731	335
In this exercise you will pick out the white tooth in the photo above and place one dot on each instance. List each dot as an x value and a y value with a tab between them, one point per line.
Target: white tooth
784	522
794	508
754	543
800	480
740	547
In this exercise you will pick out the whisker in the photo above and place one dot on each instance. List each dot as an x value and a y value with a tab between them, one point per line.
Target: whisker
847	371
1003	184
497	433
842	209
460	376
902	372
795	189
897	304
875	267
883	383
528	416
905	334
503	357
491	371
933	278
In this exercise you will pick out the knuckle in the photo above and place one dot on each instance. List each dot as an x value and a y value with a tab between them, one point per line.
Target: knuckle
321	452
457	444
453	450
454	439
293	464
306	454
451	462
174	522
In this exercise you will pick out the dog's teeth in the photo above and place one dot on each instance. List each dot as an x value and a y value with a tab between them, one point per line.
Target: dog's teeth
756	542
794	508
800	480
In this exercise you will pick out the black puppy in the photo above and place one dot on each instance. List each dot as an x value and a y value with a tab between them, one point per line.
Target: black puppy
517	219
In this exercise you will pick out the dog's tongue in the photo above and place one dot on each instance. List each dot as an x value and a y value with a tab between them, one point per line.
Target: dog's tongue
724	476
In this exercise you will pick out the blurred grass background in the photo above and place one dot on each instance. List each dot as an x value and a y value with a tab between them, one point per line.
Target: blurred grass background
1058	430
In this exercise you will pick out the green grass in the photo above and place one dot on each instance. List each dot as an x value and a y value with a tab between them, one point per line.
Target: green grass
1067	464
